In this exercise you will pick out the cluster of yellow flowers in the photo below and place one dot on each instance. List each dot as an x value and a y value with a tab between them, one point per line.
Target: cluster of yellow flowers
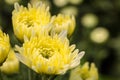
29	21
46	48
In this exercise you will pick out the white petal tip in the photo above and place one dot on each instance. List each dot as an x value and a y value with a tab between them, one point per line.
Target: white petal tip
16	5
81	54
23	59
63	34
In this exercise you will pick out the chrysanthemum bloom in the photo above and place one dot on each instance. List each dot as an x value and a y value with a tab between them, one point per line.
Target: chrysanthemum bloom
49	54
63	22
11	65
4	47
27	21
85	72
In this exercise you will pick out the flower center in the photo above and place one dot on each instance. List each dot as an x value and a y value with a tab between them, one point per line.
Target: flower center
29	23
46	52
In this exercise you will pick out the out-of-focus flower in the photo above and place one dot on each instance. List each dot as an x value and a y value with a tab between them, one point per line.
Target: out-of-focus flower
60	3
11	1
85	72
99	35
49	54
89	20
70	10
28	21
4	46
11	65
76	1
63	22
47	2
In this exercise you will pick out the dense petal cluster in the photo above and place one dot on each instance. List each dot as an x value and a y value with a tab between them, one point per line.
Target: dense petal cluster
49	54
85	72
11	65
4	46
46	48
27	21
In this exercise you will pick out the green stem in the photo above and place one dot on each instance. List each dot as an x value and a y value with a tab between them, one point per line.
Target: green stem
29	75
1	78
43	77
52	77
48	77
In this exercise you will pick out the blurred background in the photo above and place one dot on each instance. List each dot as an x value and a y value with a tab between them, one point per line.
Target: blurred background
97	29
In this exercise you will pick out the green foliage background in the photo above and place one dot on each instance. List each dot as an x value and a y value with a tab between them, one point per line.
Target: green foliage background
106	55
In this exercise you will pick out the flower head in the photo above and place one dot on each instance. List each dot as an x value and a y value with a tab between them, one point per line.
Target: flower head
49	54
64	22
27	21
99	35
85	72
11	65
4	46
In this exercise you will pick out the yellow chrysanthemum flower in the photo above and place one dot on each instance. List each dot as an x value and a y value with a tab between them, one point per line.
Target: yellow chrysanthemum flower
63	22
4	46
11	65
27	21
49	54
85	72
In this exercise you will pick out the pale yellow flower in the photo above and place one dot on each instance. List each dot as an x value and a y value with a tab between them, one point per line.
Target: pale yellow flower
4	46
47	2
89	20
11	2
11	65
63	22
99	35
49	54
28	20
70	10
60	3
85	72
